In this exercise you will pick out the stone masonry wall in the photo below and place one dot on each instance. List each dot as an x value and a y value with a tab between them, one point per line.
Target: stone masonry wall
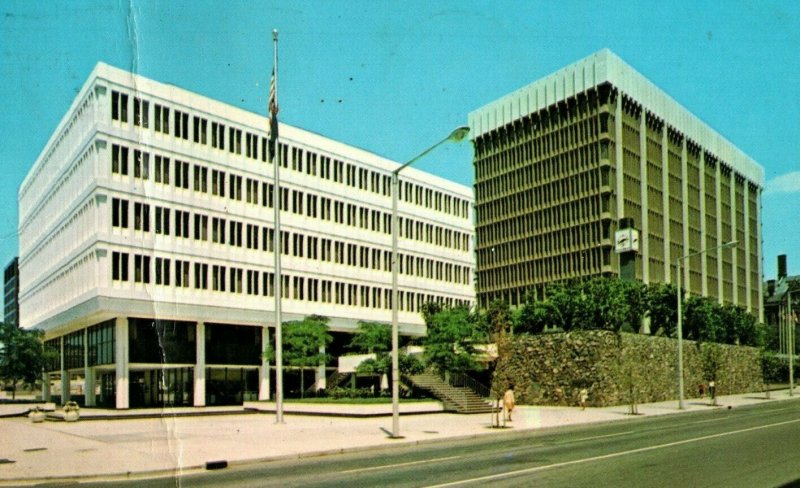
551	369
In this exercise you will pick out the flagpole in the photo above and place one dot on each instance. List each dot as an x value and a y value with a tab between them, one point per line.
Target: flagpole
278	239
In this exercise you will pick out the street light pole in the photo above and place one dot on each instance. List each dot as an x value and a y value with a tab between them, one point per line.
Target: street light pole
790	343
457	135
727	245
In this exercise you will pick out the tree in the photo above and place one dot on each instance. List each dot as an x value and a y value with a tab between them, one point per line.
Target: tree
662	304
376	338
498	318
451	339
741	327
372	337
22	356
702	321
302	341
770	368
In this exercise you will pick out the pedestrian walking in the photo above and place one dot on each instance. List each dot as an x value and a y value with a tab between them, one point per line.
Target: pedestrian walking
509	402
712	390
584	397
702	389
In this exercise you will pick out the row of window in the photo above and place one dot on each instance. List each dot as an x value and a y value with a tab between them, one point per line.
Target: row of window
301	160
251	236
295	201
203	276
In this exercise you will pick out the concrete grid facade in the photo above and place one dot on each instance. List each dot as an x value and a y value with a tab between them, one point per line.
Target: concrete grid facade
560	162
147	241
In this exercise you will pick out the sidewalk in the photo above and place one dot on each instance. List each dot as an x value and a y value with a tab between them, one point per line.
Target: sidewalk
170	443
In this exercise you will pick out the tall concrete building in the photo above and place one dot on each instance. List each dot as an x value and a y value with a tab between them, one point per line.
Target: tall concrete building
147	243
560	162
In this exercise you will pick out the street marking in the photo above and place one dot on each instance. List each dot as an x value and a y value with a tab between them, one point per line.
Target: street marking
602	436
609	456
709	420
387	466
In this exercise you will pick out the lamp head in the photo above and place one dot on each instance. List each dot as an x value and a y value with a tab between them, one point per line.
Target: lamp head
729	245
459	134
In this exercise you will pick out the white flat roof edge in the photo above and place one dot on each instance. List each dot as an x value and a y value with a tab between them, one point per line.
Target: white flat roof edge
606	67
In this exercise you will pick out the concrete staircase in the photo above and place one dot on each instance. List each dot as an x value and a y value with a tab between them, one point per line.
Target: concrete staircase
455	398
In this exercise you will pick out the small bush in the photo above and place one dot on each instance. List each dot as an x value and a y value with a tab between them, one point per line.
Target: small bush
339	392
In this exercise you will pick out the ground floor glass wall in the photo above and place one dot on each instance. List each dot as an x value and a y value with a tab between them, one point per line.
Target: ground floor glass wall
165	387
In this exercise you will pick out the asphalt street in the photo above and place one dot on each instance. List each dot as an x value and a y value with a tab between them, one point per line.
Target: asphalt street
748	446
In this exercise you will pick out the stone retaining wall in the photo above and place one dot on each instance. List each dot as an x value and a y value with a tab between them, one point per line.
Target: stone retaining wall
551	369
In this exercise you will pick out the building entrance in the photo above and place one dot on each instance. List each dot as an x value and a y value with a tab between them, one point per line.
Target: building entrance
166	387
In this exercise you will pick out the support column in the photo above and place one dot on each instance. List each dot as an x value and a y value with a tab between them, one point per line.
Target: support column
200	365
748	283
687	264
46	387
703	231
263	370
88	373
64	376
760	252
734	254
720	239
644	236
320	379
666	204
618	166
122	362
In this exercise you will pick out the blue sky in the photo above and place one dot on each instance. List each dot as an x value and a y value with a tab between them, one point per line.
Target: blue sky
395	77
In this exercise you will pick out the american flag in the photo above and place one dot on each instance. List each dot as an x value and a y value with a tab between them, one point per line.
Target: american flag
273	96
273	112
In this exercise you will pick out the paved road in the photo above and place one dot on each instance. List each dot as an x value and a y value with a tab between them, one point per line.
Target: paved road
747	446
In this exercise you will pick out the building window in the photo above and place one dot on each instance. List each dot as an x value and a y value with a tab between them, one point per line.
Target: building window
252	282
181	125
119	159
141	217
217	135
235	235
200	129
161	119
119	213
201	276
252	236
141	164
200	227
182	174
218	230
268	282
162	271
119	106
181	223
236	280
141	113
119	266
235	187
182	273
141	268
162	220
267	190
218	278
200	179
162	170
267	239
235	140
218	183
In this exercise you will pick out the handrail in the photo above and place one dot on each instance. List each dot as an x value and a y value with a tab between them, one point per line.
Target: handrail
462	380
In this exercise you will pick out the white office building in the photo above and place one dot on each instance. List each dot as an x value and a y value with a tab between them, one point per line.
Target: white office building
146	243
